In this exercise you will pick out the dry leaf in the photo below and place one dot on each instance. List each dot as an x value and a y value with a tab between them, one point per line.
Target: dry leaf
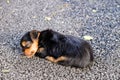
5	71
88	37
8	1
48	18
0	7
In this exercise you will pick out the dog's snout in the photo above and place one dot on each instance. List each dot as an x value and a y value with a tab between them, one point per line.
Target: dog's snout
32	52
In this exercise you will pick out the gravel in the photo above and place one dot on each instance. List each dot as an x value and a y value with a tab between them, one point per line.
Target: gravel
97	18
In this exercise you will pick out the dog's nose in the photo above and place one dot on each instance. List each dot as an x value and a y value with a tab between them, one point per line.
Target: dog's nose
29	53
32	52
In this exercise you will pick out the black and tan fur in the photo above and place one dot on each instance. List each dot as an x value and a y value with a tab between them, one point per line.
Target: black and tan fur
58	48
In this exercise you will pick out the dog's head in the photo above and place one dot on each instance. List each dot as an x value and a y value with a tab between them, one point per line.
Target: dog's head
29	43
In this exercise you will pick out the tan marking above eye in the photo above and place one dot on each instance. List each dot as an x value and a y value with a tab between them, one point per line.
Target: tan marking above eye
24	43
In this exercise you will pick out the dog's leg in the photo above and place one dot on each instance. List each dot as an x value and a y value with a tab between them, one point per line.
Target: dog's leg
52	59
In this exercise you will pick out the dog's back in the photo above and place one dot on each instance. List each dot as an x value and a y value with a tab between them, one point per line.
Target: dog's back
79	53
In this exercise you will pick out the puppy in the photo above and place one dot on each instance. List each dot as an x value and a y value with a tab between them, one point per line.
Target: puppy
58	48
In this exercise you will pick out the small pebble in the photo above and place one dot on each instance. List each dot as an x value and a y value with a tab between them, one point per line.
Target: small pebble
34	17
118	6
94	10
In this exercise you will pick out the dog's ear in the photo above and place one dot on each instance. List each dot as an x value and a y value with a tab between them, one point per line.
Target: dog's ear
34	34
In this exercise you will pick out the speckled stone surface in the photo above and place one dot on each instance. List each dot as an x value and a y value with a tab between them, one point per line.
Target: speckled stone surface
97	18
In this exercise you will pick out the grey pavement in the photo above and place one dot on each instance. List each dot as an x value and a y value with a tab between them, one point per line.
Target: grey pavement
97	18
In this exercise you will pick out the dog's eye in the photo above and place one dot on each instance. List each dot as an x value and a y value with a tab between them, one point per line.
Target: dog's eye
28	44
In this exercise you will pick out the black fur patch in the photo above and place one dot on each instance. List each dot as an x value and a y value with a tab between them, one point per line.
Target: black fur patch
78	51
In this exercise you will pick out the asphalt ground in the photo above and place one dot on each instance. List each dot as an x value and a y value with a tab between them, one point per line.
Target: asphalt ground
99	19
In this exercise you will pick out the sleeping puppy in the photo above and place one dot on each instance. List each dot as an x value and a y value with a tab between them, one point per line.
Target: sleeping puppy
58	48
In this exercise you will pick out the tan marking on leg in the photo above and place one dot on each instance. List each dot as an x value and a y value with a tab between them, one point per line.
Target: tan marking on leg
52	59
62	58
